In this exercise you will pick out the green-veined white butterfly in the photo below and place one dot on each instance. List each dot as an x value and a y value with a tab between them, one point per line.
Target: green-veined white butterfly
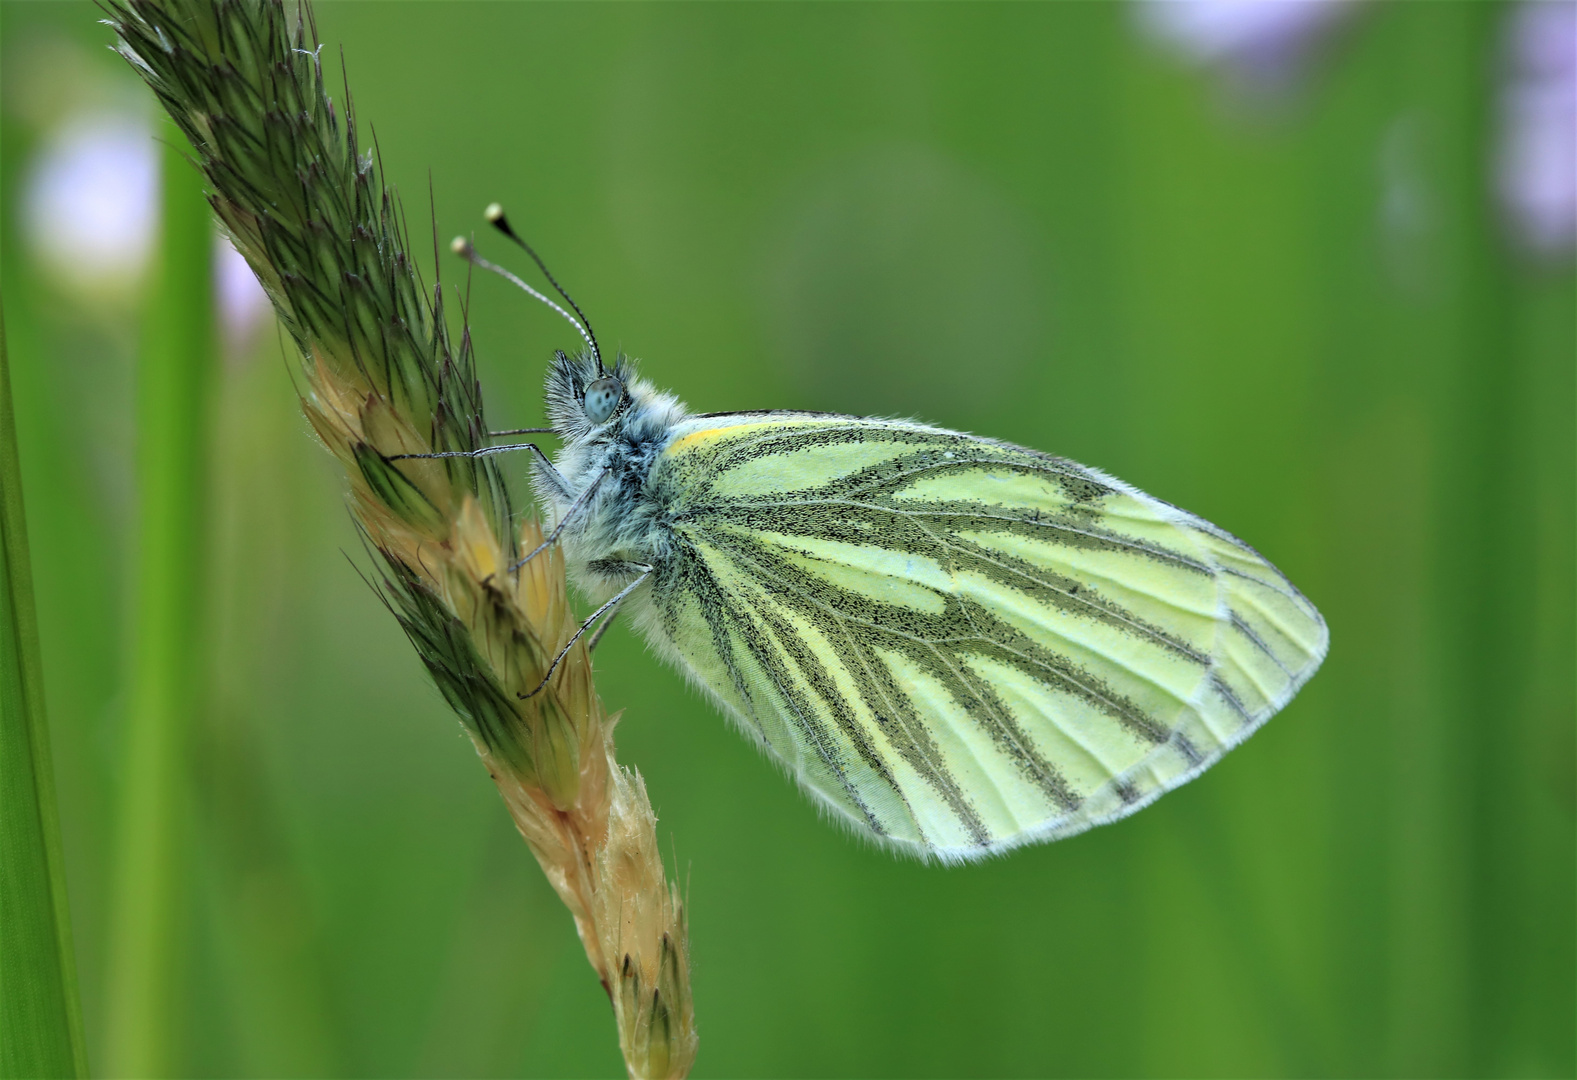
955	644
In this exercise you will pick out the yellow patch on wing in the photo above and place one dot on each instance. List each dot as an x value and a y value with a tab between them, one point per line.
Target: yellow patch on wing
697	439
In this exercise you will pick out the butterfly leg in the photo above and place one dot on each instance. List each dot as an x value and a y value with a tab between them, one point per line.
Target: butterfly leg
580	502
601	630
646	572
611	566
487	451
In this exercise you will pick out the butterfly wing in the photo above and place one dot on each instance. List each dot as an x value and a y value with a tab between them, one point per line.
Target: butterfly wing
958	644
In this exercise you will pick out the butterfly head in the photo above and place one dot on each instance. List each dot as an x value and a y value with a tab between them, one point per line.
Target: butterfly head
591	403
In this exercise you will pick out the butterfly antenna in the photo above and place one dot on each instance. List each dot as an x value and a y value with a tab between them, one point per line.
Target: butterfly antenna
463	247
495	215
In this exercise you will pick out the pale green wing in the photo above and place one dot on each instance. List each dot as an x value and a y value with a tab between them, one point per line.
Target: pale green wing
958	644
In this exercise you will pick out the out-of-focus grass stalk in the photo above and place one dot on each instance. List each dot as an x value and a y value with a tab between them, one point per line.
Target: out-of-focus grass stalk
173	378
383	381
40	1023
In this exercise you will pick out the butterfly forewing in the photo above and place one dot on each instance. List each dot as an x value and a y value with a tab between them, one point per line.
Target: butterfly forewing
959	644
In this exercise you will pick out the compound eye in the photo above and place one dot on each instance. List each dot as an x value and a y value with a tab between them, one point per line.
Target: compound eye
602	397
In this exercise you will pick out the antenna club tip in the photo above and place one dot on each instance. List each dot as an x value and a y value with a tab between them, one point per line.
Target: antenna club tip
494	212
460	246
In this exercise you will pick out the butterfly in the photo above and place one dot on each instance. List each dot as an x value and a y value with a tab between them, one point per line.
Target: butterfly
954	644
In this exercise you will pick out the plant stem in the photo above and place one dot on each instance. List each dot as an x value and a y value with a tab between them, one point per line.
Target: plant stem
40	1019
173	381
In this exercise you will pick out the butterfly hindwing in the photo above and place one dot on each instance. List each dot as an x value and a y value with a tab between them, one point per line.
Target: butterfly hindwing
959	644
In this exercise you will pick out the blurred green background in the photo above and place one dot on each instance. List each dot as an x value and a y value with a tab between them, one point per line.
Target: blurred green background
1287	301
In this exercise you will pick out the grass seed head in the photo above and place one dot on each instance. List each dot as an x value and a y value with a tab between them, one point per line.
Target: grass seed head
307	207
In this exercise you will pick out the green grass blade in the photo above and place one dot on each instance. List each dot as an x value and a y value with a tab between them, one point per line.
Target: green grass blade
40	1021
174	373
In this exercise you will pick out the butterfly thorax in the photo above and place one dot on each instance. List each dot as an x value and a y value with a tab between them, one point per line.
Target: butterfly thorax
622	525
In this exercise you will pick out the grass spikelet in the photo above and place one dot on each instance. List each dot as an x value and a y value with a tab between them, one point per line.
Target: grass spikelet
307	207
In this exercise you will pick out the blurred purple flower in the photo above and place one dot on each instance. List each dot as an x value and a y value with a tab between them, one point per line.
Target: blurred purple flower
243	305
1537	167
91	213
1262	45
90	207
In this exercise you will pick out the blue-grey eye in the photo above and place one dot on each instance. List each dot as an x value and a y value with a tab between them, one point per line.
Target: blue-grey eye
602	397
